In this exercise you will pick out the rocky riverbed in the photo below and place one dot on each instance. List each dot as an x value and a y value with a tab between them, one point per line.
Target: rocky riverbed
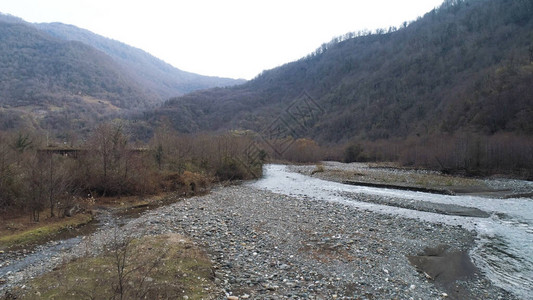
270	246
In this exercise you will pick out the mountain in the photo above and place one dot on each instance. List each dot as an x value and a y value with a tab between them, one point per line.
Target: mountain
465	66
41	76
152	72
50	79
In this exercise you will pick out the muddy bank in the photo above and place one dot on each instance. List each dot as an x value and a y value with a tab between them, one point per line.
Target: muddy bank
424	206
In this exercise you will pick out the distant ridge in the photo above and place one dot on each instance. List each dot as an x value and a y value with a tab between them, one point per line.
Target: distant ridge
62	77
166	80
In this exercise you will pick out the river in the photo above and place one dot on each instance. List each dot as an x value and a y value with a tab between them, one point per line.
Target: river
504	244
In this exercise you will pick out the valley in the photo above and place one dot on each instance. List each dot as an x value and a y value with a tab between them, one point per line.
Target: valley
392	163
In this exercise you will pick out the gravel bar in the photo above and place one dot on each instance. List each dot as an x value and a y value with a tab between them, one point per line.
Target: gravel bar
270	246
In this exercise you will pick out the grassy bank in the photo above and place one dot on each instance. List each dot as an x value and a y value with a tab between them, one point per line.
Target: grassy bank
153	267
21	231
15	233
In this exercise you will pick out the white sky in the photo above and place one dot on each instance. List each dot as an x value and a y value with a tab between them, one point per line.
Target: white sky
232	38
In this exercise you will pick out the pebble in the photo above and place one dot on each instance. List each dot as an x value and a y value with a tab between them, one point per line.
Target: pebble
270	246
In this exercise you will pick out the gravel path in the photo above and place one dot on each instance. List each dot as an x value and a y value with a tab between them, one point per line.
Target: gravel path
270	246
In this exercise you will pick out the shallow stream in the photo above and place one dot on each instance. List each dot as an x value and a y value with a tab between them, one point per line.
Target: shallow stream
504	244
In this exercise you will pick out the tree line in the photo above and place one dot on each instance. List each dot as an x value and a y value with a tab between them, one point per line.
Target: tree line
463	153
37	177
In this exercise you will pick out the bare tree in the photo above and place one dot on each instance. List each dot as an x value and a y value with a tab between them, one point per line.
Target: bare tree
127	270
108	142
36	185
57	181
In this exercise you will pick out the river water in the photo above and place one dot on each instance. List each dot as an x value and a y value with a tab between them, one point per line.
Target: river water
504	244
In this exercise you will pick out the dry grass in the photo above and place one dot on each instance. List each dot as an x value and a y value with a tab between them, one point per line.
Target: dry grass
102	103
318	169
157	267
388	173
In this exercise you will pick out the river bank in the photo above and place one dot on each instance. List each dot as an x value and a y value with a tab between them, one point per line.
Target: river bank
387	175
265	245
18	232
268	246
271	239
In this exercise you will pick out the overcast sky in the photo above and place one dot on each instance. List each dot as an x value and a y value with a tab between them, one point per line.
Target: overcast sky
233	38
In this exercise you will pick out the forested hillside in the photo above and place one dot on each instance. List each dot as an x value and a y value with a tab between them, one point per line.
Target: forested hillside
41	74
466	66
154	73
63	78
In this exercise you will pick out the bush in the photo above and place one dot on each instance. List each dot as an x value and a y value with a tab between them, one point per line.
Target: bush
231	169
353	153
303	151
194	182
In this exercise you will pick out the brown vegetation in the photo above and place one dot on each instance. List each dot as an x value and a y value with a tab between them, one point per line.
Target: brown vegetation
35	178
304	151
153	267
464	153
